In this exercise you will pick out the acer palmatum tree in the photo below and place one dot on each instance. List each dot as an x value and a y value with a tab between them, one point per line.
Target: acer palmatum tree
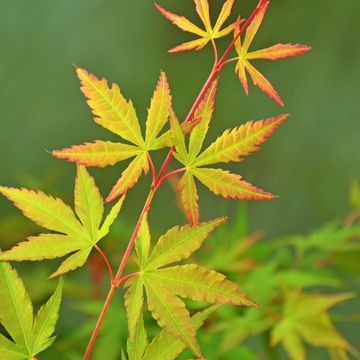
75	233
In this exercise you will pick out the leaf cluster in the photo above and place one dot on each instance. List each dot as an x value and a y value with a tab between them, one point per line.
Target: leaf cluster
294	279
159	282
29	335
74	235
164	285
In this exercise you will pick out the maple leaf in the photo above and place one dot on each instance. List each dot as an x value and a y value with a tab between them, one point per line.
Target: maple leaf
305	318
75	236
164	346
232	145
274	52
163	286
30	336
210	32
113	112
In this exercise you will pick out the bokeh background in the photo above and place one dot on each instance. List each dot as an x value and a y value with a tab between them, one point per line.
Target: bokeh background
309	162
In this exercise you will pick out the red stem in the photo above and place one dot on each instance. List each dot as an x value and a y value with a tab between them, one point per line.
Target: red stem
230	60
134	235
216	54
128	276
99	322
118	275
217	67
106	262
171	173
152	167
246	24
165	164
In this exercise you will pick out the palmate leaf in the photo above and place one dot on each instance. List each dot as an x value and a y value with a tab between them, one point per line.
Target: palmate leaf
210	32
170	312
99	153
29	336
236	143
76	236
163	286
134	297
232	145
116	114
305	318
137	346
130	176
189	196
275	52
164	346
228	185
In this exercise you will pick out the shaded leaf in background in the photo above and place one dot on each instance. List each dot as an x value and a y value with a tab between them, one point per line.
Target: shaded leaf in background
305	318
355	194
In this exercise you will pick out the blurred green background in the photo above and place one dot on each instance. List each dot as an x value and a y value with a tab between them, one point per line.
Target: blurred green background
309	162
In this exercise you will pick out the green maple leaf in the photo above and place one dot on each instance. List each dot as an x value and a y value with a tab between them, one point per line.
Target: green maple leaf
164	346
30	336
232	145
165	285
210	32
73	235
305	318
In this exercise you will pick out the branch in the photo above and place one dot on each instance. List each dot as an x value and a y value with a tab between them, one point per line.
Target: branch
159	177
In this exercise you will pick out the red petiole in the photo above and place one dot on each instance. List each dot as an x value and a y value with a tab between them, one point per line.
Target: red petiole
159	178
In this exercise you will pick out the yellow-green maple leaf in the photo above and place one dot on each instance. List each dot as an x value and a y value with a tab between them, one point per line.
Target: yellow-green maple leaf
210	32
232	145
164	346
275	52
30	335
165	286
116	114
73	235
305	318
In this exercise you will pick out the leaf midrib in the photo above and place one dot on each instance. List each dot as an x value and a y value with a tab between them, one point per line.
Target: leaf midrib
192	153
139	142
199	170
153	133
201	160
93	228
139	285
44	325
74	231
150	266
185	337
15	347
176	280
27	345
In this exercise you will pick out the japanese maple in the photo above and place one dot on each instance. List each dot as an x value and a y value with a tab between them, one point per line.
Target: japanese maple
77	233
